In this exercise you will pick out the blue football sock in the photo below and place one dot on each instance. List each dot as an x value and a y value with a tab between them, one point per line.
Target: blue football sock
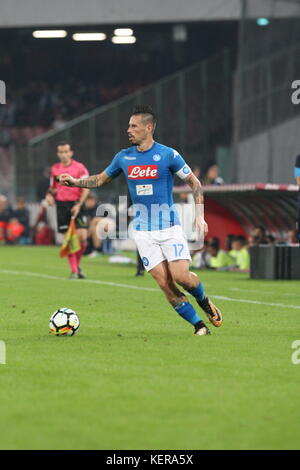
187	311
197	292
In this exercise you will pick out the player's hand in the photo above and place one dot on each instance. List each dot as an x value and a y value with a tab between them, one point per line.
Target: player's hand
50	199
67	180
201	227
75	210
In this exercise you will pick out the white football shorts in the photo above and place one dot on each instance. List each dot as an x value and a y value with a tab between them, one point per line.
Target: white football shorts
155	246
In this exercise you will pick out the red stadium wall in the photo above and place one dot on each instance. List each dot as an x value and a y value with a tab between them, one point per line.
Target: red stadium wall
221	222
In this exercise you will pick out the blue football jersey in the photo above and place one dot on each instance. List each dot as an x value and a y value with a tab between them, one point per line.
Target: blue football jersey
150	176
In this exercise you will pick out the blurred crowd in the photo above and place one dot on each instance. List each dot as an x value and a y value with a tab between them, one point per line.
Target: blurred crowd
14	222
235	256
51	105
17	227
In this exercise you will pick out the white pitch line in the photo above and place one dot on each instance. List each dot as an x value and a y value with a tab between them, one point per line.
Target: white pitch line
149	289
265	292
271	304
85	281
237	289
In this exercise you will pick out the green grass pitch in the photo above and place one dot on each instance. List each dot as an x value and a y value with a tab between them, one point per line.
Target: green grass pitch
134	376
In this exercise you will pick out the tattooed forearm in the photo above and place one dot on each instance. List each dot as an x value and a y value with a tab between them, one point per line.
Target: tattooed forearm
93	181
196	187
90	182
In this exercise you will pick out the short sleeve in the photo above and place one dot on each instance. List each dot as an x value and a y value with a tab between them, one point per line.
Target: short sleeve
178	165
297	167
114	169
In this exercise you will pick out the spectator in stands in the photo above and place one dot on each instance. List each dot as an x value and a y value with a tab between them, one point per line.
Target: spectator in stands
292	238
94	242
242	257
5	137
14	231
8	112
51	105
97	245
42	233
43	183
258	235
21	213
197	172
6	214
201	257
90	207
219	259
271	239
59	121
47	104
212	176
252	241
228	246
14	224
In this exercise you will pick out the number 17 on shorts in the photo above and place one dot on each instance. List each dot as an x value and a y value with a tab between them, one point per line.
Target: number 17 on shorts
178	249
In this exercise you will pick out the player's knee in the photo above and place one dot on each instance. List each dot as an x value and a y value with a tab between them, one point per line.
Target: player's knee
185	279
194	277
180	278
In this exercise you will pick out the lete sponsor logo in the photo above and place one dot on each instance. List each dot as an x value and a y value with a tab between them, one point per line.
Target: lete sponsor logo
142	172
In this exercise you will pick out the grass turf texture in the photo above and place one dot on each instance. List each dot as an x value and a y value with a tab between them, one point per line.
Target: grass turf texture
134	376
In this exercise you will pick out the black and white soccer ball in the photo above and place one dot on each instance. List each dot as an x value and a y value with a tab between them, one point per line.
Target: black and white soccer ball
64	322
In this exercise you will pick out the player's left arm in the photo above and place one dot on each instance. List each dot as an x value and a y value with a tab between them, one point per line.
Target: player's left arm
178	165
197	192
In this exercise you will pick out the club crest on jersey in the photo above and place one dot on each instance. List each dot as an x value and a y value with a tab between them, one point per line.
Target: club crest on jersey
156	157
142	172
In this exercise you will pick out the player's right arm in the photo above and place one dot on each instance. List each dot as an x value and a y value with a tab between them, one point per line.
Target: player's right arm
93	181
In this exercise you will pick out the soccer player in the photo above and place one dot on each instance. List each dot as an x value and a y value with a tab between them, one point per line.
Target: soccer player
149	168
69	202
297	176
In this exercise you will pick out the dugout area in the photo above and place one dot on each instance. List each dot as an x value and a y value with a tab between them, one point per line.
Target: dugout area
236	208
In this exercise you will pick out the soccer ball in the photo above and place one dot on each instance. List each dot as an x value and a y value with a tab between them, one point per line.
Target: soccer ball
64	322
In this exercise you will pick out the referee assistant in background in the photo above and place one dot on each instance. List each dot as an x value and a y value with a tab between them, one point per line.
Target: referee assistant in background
69	202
